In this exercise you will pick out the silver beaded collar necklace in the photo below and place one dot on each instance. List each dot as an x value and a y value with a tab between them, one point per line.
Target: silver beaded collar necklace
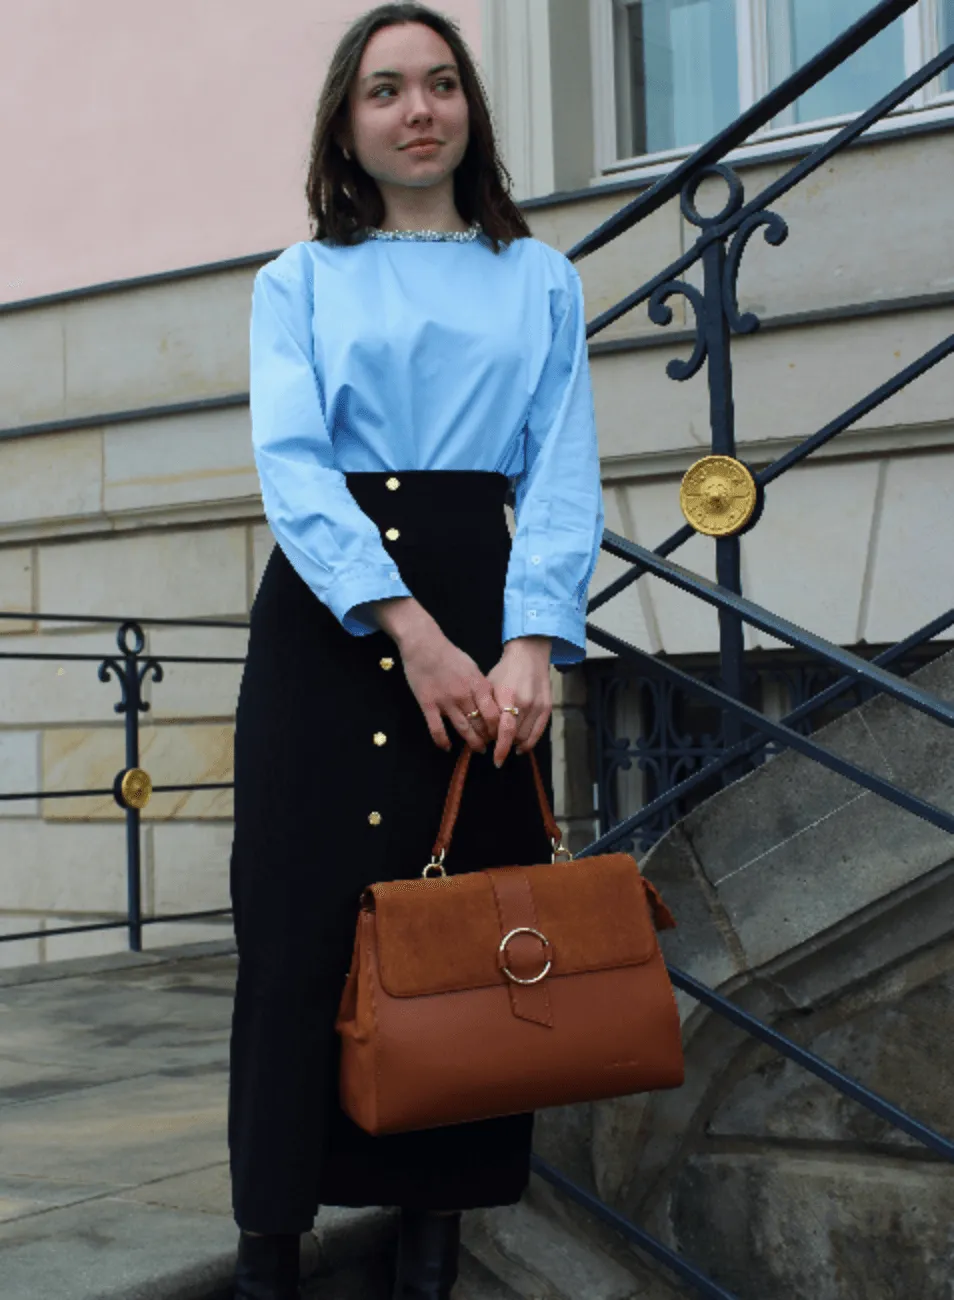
434	236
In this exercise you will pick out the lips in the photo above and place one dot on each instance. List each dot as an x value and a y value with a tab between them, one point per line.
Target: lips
417	144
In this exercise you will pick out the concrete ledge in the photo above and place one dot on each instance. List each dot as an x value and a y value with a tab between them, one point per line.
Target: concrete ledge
39	972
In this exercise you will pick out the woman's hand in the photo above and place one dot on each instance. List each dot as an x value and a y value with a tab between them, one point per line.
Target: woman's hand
444	679
521	679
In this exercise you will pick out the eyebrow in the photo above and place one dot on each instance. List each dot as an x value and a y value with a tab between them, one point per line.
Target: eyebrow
388	72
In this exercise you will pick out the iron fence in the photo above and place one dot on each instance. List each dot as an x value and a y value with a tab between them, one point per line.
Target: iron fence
132	787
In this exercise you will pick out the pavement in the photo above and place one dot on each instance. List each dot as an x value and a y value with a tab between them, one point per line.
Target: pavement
113	1159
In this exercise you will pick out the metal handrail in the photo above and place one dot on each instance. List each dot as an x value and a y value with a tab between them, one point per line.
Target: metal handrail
721	230
753	119
781	628
774	730
638	1236
844	1083
746	748
29	616
717	318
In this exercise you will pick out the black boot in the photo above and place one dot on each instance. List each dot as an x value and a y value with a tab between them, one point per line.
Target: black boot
427	1255
267	1267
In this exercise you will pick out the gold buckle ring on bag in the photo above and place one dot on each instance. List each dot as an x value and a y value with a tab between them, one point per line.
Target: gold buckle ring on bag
437	864
526	929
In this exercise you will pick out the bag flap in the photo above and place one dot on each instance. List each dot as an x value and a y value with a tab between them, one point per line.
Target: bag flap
441	935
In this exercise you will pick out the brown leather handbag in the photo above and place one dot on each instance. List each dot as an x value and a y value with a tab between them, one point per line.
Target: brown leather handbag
501	991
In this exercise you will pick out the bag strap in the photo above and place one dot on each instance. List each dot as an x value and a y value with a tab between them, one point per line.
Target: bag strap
662	918
456	790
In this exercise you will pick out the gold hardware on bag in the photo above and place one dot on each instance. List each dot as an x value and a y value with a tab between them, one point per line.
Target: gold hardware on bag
560	847
526	929
437	864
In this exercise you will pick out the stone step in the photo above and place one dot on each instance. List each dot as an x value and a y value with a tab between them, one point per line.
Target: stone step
540	1257
350	1256
530	1251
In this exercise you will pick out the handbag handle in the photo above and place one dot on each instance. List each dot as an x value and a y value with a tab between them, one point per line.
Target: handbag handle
663	919
452	807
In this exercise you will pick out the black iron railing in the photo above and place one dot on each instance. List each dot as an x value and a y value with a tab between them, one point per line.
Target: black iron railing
684	761
720	246
132	787
740	495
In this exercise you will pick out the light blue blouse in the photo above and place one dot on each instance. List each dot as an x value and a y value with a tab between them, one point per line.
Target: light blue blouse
413	354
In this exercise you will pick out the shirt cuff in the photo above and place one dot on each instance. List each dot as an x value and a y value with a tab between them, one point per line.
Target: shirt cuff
565	628
354	589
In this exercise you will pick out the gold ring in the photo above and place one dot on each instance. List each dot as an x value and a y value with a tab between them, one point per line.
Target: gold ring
475	714
510	708
547	955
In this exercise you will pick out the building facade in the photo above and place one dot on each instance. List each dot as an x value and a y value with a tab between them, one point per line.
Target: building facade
159	160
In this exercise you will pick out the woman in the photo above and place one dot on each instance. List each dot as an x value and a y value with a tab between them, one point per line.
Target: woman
417	360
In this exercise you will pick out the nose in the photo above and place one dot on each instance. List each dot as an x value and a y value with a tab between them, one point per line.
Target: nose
418	105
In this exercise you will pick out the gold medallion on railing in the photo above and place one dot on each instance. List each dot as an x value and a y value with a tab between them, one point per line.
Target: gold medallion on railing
718	496
136	787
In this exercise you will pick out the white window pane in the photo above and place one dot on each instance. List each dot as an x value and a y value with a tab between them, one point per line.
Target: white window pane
677	73
947	38
798	29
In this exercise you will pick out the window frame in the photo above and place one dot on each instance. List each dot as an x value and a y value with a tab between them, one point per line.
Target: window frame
921	33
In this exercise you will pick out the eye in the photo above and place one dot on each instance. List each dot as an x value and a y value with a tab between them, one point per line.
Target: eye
375	94
449	82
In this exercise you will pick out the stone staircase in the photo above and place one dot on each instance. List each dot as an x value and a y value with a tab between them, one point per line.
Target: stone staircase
828	913
537	1250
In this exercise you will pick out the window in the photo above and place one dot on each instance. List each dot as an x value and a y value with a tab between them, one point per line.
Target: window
677	69
947	38
684	69
798	29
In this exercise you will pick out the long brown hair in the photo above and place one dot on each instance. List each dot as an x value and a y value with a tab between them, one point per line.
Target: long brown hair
344	201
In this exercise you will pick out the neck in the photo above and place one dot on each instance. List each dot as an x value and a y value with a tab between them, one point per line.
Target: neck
406	209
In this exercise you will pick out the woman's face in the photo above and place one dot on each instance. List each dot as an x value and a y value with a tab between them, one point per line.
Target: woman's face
408	86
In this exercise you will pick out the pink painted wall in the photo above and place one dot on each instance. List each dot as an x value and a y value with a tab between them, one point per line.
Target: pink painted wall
141	137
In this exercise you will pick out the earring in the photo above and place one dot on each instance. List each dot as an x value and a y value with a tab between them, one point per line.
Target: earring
344	150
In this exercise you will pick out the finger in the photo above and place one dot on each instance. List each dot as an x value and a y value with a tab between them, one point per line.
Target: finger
506	731
525	718
489	709
470	708
465	727
472	714
527	721
435	725
539	726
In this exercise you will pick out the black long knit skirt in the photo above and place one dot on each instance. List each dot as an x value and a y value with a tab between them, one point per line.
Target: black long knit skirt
337	785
